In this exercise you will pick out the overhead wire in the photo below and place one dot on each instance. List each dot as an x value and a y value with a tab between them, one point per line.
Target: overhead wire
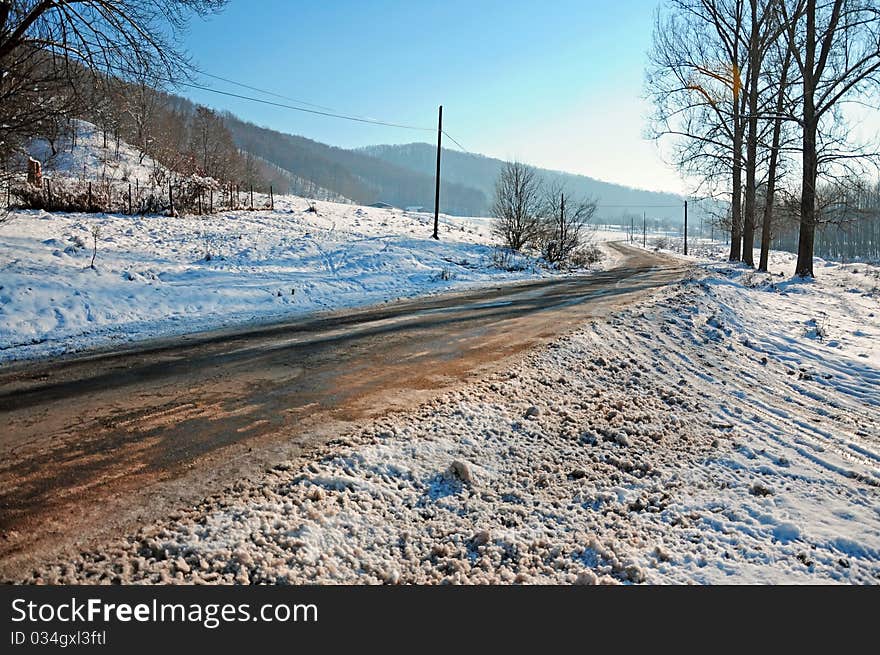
326	111
357	119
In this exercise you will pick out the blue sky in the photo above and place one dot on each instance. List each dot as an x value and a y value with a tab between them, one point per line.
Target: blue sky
555	83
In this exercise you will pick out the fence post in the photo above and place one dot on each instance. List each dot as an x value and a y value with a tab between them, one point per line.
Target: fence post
129	199
49	193
271	198
252	197
200	202
90	196
210	201
171	197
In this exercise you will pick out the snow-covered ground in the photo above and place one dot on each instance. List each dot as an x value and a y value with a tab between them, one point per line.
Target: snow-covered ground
159	276
725	431
156	275
90	160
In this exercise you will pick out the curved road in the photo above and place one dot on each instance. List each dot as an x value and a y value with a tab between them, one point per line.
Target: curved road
99	444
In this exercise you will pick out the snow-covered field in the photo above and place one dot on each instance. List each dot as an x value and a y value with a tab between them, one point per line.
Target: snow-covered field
159	276
725	431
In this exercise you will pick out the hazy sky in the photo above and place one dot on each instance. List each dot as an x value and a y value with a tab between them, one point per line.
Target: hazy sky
556	83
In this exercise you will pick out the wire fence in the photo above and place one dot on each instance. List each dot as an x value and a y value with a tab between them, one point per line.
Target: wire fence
185	195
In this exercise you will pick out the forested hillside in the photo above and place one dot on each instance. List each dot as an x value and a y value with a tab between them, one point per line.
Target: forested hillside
482	172
355	175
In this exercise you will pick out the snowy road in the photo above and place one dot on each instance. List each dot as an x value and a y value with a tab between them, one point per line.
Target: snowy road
99	444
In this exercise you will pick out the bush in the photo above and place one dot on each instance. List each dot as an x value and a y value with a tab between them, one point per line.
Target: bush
509	260
662	243
587	256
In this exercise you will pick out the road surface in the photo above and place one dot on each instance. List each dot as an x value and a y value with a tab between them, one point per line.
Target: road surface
97	445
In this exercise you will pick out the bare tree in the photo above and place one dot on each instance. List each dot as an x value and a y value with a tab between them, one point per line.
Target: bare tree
517	205
563	225
46	45
140	108
695	82
102	35
212	147
762	30
836	48
782	104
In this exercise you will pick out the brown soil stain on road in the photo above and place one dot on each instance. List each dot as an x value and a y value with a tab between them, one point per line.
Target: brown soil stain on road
97	445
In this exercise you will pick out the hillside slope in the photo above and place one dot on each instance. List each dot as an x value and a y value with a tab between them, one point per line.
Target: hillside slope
481	172
351	174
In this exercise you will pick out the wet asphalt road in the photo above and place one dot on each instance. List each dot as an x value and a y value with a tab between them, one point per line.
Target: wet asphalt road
98	444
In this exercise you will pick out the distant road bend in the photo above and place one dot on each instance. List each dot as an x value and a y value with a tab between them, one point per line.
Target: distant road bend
99	444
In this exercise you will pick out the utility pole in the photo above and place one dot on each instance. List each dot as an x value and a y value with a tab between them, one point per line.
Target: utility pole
645	230
685	228
437	190
632	229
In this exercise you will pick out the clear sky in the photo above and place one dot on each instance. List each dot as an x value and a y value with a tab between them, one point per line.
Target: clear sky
557	84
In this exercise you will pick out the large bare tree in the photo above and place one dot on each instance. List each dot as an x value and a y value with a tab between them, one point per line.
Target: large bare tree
695	81
780	77
836	48
46	45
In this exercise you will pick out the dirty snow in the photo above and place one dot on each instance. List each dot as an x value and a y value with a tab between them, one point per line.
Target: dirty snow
725	431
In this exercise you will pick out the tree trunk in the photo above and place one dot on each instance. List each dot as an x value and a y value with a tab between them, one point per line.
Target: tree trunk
748	235
751	201
766	234
807	236
736	204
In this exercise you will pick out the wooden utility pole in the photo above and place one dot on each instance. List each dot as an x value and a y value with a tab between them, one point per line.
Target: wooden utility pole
685	228
437	190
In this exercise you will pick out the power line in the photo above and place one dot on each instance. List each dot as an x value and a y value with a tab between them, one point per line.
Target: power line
263	91
623	206
303	109
448	136
335	112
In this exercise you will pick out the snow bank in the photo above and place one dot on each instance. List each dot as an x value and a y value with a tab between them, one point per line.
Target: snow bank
705	436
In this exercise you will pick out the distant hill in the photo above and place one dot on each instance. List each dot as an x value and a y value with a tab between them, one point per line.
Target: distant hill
480	172
353	174
403	175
